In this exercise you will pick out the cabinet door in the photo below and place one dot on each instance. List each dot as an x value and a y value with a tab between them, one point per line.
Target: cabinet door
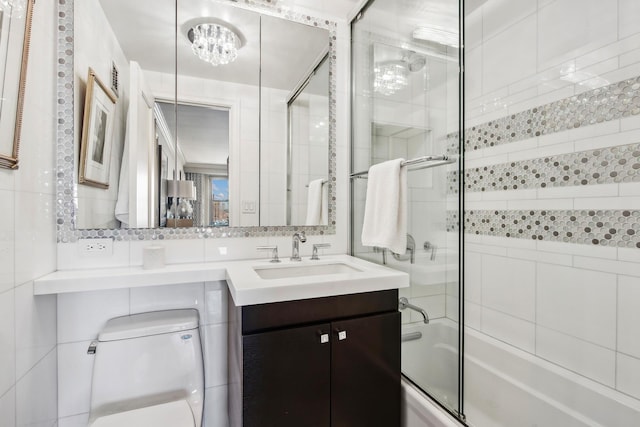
365	377
286	378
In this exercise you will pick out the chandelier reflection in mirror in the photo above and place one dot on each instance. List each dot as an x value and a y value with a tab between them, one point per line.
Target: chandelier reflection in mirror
390	77
214	43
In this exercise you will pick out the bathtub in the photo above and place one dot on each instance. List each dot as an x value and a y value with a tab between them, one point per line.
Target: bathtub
504	386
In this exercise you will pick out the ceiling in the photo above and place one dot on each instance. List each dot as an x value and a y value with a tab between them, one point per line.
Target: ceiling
203	132
146	32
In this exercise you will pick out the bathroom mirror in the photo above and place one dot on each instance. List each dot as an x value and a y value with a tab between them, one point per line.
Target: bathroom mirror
144	53
308	140
305	125
15	34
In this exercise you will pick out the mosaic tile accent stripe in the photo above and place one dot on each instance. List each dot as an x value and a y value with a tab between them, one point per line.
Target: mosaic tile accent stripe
620	164
618	228
453	221
615	101
66	188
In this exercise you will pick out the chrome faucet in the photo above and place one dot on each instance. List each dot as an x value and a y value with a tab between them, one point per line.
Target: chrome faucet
404	303
295	245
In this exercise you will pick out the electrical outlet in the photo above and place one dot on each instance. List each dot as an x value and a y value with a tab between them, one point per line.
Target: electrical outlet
95	247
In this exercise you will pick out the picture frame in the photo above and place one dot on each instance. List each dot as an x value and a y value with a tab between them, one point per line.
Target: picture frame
15	39
97	133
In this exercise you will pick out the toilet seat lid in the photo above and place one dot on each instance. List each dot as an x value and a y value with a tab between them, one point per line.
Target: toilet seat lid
172	414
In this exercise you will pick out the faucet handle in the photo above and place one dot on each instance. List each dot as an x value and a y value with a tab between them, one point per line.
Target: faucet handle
274	254
428	246
314	255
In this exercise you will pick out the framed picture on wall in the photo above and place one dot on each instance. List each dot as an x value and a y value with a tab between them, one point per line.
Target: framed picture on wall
15	35
97	133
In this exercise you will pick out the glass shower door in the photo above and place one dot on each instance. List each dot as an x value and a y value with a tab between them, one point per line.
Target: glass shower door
406	104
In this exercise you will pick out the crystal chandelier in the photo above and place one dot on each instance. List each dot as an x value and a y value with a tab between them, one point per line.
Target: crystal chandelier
390	77
214	43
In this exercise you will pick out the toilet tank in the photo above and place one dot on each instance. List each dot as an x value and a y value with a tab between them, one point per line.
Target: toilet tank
148	359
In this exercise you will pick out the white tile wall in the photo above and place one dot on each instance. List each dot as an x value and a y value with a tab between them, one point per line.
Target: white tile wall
27	245
567	299
517	332
574	305
74	378
82	315
592	361
628	315
8	407
7	337
501	292
35	319
628	375
36	393
513	46
629	13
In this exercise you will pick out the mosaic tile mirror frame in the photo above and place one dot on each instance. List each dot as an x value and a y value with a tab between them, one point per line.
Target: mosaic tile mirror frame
66	183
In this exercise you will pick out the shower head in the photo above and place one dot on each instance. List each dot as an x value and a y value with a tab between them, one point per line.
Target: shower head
415	61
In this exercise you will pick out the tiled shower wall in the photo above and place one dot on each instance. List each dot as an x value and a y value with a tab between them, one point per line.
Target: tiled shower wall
552	182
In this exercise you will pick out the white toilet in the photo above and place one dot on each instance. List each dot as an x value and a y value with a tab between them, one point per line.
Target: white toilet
148	371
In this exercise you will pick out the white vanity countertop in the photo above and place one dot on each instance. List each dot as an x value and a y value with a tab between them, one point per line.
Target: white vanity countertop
245	285
247	288
97	279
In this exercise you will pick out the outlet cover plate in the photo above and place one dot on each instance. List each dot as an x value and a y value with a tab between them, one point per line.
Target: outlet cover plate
95	247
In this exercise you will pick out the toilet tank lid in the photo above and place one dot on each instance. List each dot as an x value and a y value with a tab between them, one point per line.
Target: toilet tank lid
147	324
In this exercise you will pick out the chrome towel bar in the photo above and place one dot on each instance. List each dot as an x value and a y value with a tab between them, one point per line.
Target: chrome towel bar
423	162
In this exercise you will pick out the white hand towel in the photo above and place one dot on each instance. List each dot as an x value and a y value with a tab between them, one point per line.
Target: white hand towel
315	202
385	210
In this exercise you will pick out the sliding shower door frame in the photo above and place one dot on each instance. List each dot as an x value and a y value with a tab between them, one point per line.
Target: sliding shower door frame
459	414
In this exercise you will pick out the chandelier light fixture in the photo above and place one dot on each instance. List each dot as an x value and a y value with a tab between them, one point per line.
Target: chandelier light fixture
390	77
214	43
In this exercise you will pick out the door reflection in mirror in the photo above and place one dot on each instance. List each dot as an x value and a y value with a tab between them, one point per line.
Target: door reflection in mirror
202	158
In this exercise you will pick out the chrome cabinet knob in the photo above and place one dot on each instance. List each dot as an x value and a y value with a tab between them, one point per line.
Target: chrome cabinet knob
324	338
342	335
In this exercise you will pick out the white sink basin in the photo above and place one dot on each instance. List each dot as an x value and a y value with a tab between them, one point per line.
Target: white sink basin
260	281
288	271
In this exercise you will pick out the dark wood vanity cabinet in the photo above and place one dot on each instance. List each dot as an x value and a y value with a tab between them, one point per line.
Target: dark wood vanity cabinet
322	362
